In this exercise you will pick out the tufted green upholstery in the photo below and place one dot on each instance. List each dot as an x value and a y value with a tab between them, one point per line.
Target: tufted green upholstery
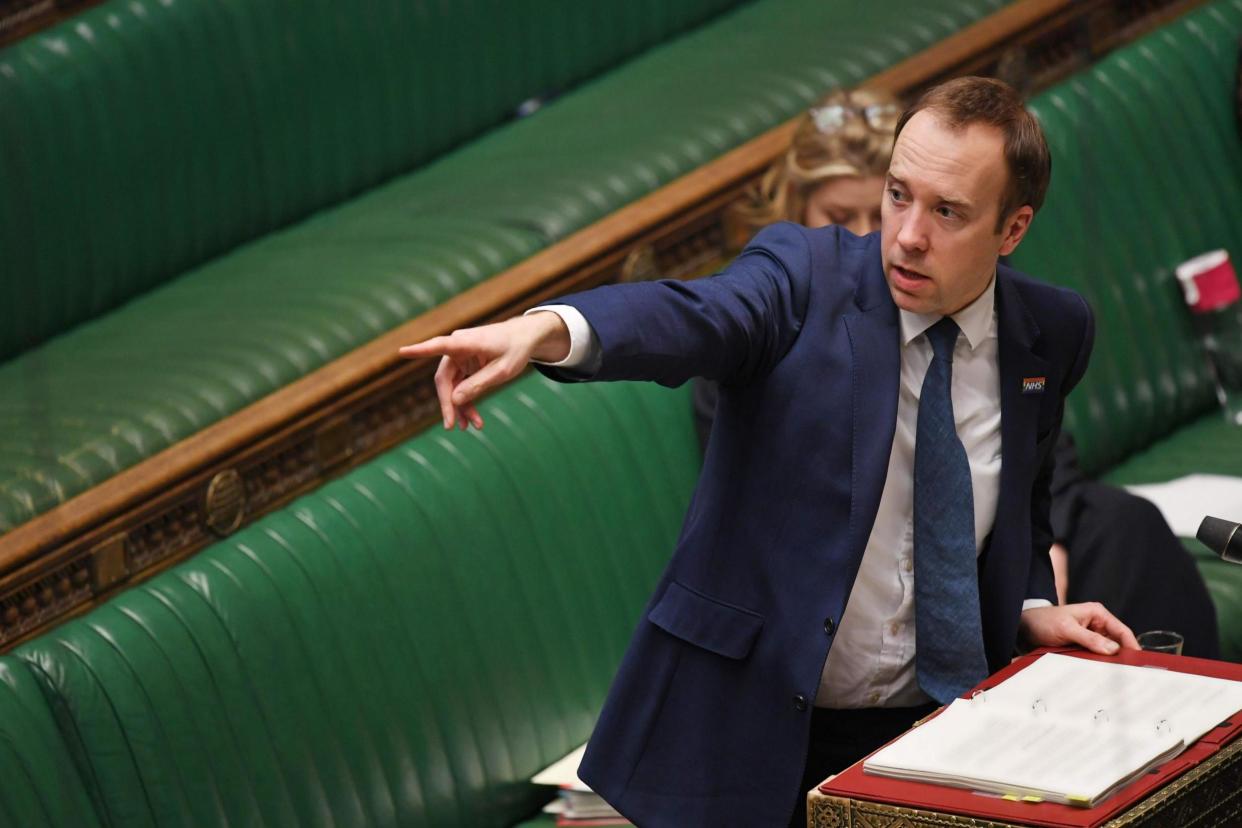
127	384
405	646
41	785
409	643
142	137
1147	173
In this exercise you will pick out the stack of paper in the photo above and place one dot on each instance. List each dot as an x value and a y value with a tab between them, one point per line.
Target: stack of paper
1064	729
576	804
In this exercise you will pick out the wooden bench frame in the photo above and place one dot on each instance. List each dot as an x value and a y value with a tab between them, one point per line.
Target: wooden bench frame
205	487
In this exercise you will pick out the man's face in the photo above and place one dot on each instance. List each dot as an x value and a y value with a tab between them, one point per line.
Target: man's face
938	238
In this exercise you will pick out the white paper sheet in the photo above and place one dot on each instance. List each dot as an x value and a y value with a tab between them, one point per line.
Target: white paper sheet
976	746
1189	704
563	772
1184	502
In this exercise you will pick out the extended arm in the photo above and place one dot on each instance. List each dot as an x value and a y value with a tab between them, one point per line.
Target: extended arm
729	326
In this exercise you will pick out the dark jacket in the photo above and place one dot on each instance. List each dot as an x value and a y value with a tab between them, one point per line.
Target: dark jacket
707	720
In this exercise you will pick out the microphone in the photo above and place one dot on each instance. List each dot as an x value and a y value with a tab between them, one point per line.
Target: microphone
1222	537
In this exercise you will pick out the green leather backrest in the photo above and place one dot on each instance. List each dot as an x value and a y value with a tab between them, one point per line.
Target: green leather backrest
39	784
404	646
1147	172
124	386
142	137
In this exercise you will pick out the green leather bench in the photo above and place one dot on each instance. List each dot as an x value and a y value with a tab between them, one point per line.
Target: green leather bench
205	201
408	644
41	782
1147	173
405	646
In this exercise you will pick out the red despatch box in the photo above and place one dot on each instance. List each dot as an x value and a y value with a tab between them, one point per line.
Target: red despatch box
852	783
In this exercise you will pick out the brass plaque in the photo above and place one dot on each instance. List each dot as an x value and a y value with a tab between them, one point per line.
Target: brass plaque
226	502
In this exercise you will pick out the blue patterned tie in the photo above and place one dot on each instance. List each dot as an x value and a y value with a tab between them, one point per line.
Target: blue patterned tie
949	656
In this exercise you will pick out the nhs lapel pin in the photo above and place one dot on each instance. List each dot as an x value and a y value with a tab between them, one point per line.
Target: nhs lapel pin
1034	385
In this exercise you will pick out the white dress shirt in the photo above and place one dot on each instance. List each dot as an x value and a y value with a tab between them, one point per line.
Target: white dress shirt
871	663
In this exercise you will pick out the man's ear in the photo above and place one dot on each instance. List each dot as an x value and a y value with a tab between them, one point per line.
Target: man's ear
1014	228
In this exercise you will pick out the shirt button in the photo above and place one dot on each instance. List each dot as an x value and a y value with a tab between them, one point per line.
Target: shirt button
894	628
799	703
907	565
830	626
875	697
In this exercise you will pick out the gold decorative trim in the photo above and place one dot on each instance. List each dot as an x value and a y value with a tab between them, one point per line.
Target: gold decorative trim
839	812
1208	795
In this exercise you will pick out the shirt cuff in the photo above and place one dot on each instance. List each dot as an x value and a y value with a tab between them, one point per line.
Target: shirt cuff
1035	603
583	346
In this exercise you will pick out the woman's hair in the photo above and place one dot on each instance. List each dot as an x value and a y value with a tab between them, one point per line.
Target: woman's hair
849	132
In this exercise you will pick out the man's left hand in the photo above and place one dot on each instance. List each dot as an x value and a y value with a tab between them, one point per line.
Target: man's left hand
1087	625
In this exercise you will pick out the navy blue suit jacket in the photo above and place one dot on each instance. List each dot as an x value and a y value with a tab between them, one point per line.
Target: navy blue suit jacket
707	720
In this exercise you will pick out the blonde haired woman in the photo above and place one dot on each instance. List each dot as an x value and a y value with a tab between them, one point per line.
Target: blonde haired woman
833	171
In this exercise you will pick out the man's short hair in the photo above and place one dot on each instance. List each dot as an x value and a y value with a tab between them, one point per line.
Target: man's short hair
964	101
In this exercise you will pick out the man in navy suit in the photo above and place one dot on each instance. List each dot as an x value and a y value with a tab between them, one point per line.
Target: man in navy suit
889	406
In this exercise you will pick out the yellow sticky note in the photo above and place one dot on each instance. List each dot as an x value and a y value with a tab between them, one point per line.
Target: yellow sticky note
1032	799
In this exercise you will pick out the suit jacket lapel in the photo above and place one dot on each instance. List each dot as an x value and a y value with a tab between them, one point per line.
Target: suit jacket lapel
1016	333
1008	558
874	332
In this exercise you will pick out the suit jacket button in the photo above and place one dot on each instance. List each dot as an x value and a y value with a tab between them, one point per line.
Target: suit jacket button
800	703
830	626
